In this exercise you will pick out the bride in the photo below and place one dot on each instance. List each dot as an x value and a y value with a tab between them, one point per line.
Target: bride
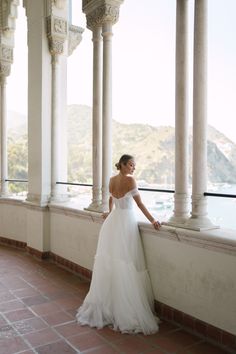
120	293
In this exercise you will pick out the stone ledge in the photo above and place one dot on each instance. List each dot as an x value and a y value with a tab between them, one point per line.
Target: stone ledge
11	201
75	212
220	240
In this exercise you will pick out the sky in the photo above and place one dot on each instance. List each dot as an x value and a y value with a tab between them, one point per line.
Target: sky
144	64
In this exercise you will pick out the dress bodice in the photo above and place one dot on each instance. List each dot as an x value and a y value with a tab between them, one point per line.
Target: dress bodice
125	202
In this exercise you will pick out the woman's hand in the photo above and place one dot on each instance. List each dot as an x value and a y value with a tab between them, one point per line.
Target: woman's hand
156	224
105	215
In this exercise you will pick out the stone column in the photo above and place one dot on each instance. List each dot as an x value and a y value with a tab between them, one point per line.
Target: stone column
8	15
96	204
181	199
55	157
106	113
57	35
103	14
39	128
39	106
3	137
199	219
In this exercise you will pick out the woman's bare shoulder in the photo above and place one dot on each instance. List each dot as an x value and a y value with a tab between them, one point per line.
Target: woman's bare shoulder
112	181
131	182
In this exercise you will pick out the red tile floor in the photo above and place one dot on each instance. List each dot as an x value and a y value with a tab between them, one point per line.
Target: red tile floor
38	302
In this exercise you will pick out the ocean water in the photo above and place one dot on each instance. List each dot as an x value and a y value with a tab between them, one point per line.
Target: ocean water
221	211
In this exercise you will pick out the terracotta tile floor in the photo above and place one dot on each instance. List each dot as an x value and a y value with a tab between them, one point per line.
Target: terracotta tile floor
38	302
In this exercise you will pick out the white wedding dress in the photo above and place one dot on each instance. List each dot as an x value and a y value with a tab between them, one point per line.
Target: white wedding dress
120	294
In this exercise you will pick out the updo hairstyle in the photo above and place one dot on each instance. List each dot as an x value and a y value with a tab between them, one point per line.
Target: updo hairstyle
123	160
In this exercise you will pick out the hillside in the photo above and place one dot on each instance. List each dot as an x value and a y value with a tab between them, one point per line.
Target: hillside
153	148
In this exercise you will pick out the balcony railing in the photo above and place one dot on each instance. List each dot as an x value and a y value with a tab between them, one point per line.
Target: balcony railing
207	194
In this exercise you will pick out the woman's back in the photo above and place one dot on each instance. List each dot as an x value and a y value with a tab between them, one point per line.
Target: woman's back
121	185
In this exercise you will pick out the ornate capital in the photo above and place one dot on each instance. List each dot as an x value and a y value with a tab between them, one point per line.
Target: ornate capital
6	53
5	69
101	11
75	37
6	59
60	4
57	34
8	14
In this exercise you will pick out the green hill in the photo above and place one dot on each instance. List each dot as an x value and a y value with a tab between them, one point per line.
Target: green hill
153	148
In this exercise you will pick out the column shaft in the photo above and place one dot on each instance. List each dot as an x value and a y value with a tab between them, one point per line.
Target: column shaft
107	112
54	132
3	112
58	192
181	114
199	219
96	204
39	107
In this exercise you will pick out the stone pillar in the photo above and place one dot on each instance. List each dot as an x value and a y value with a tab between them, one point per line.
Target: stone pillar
181	199
199	219
8	15
3	137
39	127
106	112
57	32
39	106
96	204
55	156
104	14
63	39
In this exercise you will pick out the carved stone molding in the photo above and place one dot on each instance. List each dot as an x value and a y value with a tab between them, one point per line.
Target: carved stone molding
5	69
57	34
90	5
60	4
75	37
8	14
6	53
6	59
101	11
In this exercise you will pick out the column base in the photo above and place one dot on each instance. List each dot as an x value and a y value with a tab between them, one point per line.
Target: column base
199	220
96	207
178	221
5	195
181	210
59	198
199	224
37	199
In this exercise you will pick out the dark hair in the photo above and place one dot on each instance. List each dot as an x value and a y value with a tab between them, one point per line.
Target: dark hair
123	160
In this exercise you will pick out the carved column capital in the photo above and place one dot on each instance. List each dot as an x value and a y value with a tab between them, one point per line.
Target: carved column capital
6	59
60	4
57	34
75	37
101	11
8	14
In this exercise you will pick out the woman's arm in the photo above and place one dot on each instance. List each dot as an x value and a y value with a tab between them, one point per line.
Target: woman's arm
142	207
144	210
110	203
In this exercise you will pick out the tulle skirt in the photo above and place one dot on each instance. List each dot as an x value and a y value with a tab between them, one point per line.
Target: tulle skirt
120	294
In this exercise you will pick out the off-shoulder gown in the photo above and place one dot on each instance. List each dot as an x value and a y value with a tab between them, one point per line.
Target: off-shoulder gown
120	293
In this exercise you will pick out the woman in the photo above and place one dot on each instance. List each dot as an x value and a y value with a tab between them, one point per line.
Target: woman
120	294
